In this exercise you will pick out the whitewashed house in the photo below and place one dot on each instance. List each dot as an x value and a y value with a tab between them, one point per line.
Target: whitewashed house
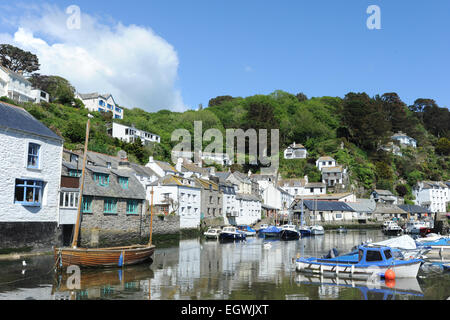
302	187
404	139
175	194
249	209
16	87
101	103
161	168
325	162
208	157
230	208
131	134
333	176
295	151
383	196
432	195
243	181
30	174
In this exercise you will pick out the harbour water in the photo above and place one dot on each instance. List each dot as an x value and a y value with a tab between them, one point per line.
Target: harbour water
199	269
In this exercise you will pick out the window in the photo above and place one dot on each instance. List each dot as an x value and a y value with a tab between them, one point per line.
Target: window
338	216
123	182
101	179
132	206
68	200
372	255
73	158
387	254
110	107
86	204
118	110
101	103
74	173
110	206
28	192
33	156
108	165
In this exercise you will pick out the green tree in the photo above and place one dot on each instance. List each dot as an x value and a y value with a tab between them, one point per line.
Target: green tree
18	60
443	146
59	89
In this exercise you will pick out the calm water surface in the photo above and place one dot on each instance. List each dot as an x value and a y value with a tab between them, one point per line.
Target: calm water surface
201	269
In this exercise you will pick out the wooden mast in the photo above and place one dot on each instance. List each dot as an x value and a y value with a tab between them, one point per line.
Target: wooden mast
80	197
151	220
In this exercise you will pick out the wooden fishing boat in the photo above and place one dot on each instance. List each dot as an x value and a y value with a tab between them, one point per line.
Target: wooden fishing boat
104	257
101	257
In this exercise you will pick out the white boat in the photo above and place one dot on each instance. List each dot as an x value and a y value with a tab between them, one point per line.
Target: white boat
391	228
212	233
406	246
367	262
317	230
413	227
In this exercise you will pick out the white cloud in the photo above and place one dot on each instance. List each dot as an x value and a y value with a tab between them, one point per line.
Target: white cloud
138	67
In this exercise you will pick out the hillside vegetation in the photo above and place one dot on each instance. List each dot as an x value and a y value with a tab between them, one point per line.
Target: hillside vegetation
350	129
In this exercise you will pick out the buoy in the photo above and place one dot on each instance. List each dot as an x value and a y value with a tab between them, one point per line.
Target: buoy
390	283
389	274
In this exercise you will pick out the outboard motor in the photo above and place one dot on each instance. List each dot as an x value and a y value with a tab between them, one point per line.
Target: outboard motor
333	253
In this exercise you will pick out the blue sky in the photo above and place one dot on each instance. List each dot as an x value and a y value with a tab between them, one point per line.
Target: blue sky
321	48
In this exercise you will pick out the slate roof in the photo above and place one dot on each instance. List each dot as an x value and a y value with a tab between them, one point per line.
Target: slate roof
19	119
326	205
291	183
192	167
326	158
142	171
413	208
114	189
296	146
363	205
248	197
332	169
383	208
206	183
15	75
227	188
383	192
433	184
165	166
171	180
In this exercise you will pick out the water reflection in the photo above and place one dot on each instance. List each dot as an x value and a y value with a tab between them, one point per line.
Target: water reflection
201	269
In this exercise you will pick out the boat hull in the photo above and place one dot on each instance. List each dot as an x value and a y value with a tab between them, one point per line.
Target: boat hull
404	270
231	237
289	235
102	257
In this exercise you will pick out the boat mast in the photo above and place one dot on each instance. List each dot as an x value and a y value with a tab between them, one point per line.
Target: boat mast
80	197
151	219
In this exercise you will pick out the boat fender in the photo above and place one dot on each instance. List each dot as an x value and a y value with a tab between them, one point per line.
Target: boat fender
389	275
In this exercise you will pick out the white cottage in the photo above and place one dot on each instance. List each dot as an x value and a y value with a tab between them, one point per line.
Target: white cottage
30	174
175	194
102	103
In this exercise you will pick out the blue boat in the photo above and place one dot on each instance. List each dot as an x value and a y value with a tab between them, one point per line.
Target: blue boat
270	232
231	234
249	232
371	261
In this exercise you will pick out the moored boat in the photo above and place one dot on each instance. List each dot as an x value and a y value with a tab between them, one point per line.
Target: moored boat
249	232
212	233
341	230
289	232
391	228
370	261
231	234
271	232
317	230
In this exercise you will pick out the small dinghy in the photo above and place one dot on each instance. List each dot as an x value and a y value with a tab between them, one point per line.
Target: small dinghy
370	261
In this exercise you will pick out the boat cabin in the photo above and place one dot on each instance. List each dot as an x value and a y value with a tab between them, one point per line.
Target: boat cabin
289	227
368	254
